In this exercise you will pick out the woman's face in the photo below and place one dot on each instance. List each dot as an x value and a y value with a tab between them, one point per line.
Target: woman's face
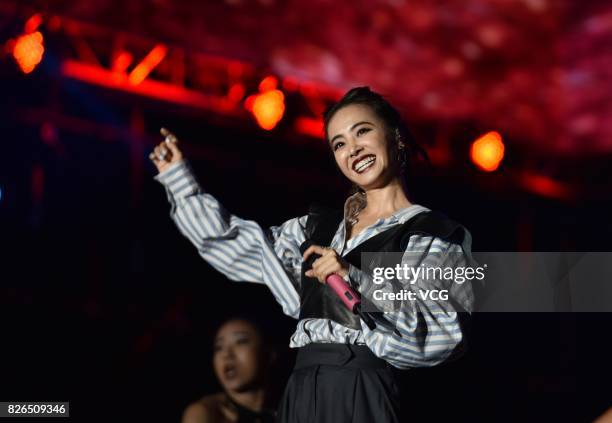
357	137
238	357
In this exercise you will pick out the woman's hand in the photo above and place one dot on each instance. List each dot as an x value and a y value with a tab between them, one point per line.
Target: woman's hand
329	262
167	152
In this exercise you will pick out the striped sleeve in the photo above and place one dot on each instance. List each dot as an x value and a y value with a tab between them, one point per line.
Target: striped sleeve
423	333
238	248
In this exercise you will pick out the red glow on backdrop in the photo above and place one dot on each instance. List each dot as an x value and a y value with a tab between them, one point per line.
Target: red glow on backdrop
487	152
546	186
28	51
290	84
535	69
309	126
38	184
54	23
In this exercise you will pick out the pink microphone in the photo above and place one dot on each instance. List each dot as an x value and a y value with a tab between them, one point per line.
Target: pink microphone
350	298
347	295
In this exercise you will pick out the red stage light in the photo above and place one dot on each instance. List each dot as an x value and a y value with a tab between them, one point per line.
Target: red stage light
236	92
487	152
269	83
121	62
151	60
33	23
28	51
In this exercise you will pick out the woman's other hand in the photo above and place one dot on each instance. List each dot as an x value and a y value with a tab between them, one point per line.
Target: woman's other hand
329	262
167	152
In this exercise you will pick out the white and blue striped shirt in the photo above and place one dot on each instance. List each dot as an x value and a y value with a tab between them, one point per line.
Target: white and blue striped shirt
243	251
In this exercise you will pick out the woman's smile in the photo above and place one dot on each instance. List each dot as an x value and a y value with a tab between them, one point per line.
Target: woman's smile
364	163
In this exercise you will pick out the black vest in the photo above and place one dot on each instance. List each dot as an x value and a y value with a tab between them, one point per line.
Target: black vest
318	300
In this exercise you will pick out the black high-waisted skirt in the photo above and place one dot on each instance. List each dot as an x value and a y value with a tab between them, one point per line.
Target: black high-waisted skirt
340	383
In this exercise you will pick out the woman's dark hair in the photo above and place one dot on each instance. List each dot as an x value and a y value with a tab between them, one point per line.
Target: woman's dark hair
250	318
396	130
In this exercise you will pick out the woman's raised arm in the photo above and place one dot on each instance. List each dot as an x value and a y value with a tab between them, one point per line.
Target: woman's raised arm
238	248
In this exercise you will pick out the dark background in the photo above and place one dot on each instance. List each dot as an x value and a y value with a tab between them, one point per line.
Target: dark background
105	305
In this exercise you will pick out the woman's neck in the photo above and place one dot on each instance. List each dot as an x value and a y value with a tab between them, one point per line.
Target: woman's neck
384	201
253	400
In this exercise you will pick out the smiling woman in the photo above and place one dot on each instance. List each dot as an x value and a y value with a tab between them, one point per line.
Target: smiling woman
345	365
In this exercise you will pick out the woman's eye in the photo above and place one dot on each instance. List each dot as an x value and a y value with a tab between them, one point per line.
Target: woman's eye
362	131
338	145
242	341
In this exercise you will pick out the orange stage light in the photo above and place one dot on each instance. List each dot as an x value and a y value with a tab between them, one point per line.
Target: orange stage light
487	152
28	51
269	108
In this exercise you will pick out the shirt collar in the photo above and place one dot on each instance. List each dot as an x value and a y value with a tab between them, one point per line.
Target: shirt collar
403	215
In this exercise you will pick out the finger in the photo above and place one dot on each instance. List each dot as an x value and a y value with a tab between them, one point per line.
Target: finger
313	273
323	262
163	153
313	249
173	148
158	164
329	251
158	153
169	136
316	263
328	269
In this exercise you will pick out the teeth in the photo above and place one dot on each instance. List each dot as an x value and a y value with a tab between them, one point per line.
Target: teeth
364	163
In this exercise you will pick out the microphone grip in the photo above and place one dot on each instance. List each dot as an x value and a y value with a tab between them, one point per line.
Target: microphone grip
350	299
342	290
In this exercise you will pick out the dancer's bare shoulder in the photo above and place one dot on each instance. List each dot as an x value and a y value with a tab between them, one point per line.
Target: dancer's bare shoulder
208	409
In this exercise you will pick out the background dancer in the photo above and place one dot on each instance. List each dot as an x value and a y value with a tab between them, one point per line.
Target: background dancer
242	361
